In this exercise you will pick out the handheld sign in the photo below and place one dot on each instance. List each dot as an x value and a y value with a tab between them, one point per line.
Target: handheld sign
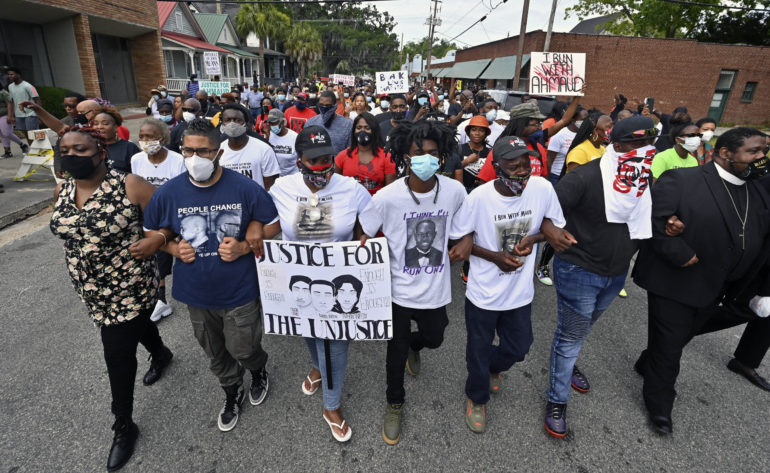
211	60
336	291
344	79
557	73
212	87
393	82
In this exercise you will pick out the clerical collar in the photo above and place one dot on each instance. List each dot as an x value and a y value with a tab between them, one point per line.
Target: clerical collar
728	176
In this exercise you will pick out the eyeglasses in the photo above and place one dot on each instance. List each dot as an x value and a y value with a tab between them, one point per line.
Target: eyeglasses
187	152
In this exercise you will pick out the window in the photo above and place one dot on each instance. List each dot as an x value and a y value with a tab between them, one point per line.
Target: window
169	58
224	35
748	92
725	81
179	20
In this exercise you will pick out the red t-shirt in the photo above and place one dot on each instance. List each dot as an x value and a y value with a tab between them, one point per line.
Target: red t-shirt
295	119
370	175
539	168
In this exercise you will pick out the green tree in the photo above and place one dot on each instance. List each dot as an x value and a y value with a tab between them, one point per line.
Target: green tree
304	46
439	50
651	17
264	20
736	27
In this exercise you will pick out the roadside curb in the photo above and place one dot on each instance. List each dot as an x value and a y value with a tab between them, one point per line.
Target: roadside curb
21	214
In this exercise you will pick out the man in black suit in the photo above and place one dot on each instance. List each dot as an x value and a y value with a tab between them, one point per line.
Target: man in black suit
423	253
725	241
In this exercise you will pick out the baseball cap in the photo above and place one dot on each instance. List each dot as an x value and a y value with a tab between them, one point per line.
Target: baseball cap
634	128
503	115
275	116
301	95
526	110
510	147
314	141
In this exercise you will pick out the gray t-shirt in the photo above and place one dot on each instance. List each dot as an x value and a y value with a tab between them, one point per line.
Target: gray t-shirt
19	93
339	130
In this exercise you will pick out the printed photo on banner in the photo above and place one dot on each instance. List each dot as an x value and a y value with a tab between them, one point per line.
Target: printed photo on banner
392	82
557	73
512	232
337	291
425	241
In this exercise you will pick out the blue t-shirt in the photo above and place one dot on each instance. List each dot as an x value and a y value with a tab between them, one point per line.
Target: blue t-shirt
204	216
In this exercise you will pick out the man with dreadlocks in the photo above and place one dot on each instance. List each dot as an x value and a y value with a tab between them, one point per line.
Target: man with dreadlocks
415	213
507	217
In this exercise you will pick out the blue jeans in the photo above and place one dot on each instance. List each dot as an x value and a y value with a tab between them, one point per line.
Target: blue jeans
582	297
514	327
338	351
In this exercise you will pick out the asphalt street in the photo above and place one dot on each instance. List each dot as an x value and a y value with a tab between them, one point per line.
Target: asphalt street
54	408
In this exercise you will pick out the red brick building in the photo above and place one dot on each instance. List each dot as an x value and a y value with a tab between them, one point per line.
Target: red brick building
727	82
98	48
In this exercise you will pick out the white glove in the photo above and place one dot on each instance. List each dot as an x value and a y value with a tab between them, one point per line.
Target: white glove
760	306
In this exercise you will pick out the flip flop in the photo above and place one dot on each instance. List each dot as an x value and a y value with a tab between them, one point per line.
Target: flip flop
313	387
337	437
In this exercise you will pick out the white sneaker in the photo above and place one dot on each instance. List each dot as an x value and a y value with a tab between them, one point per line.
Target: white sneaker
161	310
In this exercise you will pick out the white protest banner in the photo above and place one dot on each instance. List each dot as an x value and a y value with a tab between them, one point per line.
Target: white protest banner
344	79
211	59
213	87
393	82
338	291
557	73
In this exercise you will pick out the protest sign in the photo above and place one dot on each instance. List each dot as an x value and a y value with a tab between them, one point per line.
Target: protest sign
557	73
213	87
211	59
343	79
393	82
459	84
337	291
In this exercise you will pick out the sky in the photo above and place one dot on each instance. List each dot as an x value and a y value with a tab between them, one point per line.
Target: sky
456	15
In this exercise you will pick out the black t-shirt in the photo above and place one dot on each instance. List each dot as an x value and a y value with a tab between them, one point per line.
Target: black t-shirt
454	109
603	248
452	163
175	142
119	155
381	117
472	170
385	128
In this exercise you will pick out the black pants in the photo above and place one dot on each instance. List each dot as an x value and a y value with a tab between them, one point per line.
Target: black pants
547	254
120	341
755	340
430	325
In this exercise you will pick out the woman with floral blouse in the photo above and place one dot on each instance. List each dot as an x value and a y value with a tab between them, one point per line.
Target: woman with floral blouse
98	214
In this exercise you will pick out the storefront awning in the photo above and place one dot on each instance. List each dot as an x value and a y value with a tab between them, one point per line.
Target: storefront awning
467	69
192	42
503	68
239	52
434	72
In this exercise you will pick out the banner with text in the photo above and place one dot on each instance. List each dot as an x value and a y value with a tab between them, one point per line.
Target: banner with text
211	60
339	291
393	82
213	87
343	79
557	73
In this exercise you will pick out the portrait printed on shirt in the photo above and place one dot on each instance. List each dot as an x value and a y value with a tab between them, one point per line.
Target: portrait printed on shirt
314	218
511	232
425	240
205	227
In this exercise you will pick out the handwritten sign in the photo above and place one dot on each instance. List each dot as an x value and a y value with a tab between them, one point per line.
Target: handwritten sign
343	79
393	82
214	87
211	60
336	291
557	73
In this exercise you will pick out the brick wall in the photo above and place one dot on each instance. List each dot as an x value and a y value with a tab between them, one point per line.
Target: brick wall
140	12
149	65
86	55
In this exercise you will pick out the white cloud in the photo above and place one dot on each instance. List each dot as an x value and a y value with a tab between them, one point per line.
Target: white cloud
456	15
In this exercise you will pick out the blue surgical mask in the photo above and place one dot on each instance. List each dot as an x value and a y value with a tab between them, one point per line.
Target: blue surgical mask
442	96
384	104
368	99
421	101
281	97
492	115
346	95
424	166
163	93
276	129
167	118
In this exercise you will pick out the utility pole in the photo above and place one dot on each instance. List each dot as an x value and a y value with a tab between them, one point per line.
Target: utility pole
401	54
432	22
550	27
522	34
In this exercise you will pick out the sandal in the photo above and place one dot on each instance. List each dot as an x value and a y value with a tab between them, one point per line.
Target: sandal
338	437
313	385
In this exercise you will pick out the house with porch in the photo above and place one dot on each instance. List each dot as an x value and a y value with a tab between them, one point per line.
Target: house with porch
219	30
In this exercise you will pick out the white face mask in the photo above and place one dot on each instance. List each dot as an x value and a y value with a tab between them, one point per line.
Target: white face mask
707	135
188	116
200	169
691	143
312	96
150	147
233	130
578	124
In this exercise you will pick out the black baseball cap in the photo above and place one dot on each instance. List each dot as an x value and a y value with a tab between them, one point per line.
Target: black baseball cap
510	147
314	141
633	128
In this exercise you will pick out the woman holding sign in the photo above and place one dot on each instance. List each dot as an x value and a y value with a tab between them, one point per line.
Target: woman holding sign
321	206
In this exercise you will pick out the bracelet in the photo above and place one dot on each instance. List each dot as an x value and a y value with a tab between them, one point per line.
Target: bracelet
165	240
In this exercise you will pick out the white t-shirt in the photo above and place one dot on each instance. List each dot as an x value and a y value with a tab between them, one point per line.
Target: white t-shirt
495	130
560	144
285	151
332	219
499	221
420	275
255	160
158	174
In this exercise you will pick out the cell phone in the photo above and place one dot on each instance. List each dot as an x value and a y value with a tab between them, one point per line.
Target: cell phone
650	102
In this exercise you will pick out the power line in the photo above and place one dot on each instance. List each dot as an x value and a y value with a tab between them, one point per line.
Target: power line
293	2
709	5
478	21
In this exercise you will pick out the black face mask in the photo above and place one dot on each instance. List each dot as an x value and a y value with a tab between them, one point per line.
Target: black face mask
265	110
400	115
81	119
204	105
364	138
79	167
754	170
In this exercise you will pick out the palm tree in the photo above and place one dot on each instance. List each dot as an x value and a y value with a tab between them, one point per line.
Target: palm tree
304	46
264	21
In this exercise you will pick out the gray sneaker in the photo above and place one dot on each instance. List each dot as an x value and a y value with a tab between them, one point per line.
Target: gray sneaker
475	416
391	428
413	362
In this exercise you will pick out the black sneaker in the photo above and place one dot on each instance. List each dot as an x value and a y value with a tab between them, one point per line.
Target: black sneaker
259	385
8	154
228	416
25	148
